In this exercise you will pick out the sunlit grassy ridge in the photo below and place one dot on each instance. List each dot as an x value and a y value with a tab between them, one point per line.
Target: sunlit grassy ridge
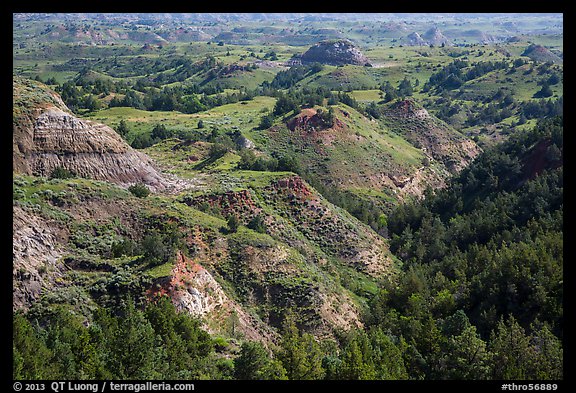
243	116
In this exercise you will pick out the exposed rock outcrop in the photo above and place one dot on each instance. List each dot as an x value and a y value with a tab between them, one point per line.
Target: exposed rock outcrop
435	37
36	250
430	134
335	52
310	120
46	135
414	39
194	289
431	37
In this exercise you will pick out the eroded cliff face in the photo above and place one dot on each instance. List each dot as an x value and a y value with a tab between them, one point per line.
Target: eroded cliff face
194	289
46	135
438	140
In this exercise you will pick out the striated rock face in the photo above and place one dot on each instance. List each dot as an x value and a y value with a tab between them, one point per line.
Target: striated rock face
36	249
431	37
335	52
58	131
46	135
415	39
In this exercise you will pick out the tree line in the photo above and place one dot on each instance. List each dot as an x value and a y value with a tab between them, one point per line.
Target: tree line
489	249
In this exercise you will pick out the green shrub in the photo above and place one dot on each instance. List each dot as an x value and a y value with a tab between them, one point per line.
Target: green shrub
233	223
257	224
61	173
140	190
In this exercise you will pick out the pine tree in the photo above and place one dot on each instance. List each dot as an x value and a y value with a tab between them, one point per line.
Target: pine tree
233	223
254	363
510	348
548	359
357	361
251	361
405	88
134	350
73	356
30	353
300	354
544	92
122	129
466	356
314	357
388	362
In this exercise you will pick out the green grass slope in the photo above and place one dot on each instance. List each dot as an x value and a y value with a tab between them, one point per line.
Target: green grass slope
355	154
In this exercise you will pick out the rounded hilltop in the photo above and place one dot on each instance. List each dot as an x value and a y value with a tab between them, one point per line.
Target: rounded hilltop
541	54
335	52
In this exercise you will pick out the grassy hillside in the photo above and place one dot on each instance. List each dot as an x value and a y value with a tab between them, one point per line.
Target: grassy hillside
99	247
373	160
241	116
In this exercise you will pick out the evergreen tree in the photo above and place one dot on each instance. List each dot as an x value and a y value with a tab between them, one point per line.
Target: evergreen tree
289	163
122	129
357	361
544	92
388	362
139	190
266	121
405	88
373	110
254	363
233	223
252	360
548	356
511	351
257	224
300	354
69	341
466	356
183	343
31	356
284	104
314	357
247	159
160	132
142	141
136	353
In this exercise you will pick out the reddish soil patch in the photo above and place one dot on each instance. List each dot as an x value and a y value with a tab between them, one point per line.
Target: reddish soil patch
536	161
